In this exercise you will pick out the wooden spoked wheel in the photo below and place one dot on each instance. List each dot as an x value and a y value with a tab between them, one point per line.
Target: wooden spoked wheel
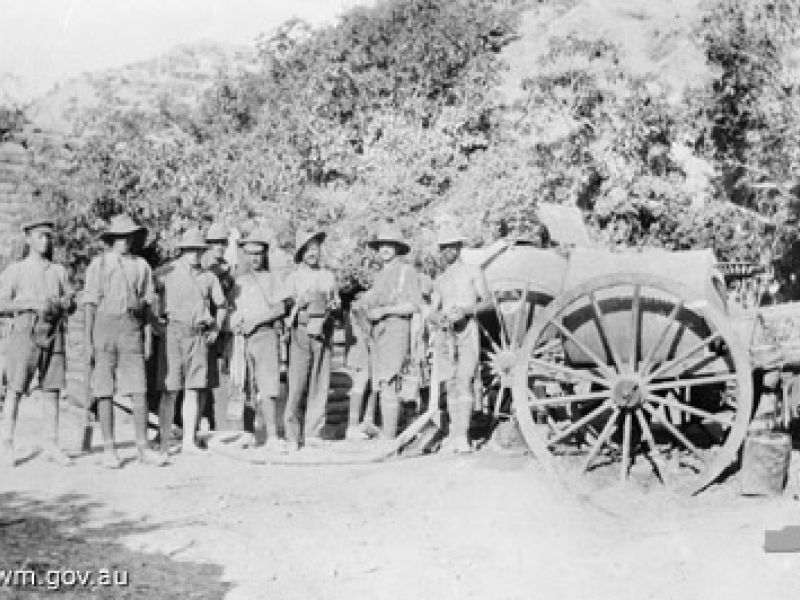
629	376
503	331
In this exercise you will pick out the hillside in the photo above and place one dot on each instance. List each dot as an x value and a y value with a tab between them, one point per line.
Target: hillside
181	75
655	40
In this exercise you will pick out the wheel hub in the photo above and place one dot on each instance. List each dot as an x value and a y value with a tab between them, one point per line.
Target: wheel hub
627	393
503	365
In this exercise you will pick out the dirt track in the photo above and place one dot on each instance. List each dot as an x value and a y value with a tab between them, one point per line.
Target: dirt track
483	526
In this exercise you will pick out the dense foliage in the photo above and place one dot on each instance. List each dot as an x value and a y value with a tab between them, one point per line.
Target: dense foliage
393	114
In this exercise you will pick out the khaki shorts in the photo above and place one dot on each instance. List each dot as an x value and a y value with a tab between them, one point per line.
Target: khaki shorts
24	358
118	356
459	369
263	362
183	363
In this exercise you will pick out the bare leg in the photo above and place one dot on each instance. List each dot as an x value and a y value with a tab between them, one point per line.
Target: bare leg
389	410
354	430
269	415
50	416
166	415
190	414
105	412
459	407
10	411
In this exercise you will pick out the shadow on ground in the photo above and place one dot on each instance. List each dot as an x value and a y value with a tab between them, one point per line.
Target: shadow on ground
54	536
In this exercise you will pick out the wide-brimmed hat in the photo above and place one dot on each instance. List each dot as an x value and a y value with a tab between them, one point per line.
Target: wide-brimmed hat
39	221
120	226
449	234
302	239
259	236
192	239
218	232
390	234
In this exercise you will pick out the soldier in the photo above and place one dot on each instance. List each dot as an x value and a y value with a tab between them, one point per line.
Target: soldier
394	298
118	295
37	292
460	292
189	295
310	290
214	400
257	317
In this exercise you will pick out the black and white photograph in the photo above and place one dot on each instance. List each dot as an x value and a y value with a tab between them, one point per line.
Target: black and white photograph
400	299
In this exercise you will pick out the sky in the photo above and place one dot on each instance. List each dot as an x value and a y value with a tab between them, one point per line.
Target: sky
45	41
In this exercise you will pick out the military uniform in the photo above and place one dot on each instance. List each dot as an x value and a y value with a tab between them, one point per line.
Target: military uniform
36	342
120	286
256	314
460	290
309	352
187	297
38	294
390	345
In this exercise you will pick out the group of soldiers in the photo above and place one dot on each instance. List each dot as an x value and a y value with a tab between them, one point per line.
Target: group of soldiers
188	312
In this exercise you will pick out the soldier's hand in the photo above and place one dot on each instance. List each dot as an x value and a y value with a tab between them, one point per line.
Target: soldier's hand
454	314
375	314
148	347
212	335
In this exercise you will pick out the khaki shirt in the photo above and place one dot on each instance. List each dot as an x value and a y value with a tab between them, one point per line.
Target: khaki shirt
254	298
457	285
397	283
30	282
303	281
117	283
188	294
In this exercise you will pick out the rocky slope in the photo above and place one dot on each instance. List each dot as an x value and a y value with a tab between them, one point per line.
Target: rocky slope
181	76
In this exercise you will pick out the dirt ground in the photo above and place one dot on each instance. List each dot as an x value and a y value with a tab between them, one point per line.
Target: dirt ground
488	525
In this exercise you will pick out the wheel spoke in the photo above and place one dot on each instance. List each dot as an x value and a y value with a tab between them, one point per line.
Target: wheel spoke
635	317
498	401
505	339
655	455
674	431
644	367
567	333
682	383
571	399
687	408
626	446
603	330
521	315
552	344
495	347
573	374
579	423
676	361
608	431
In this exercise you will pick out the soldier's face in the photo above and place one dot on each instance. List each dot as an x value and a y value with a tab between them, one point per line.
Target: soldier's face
311	254
122	244
217	249
387	252
192	256
40	239
255	256
450	253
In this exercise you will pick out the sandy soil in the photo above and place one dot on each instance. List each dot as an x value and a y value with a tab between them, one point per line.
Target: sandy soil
484	526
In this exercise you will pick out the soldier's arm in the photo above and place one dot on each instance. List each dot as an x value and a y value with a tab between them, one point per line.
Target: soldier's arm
150	318
482	292
219	301
8	286
66	302
90	297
